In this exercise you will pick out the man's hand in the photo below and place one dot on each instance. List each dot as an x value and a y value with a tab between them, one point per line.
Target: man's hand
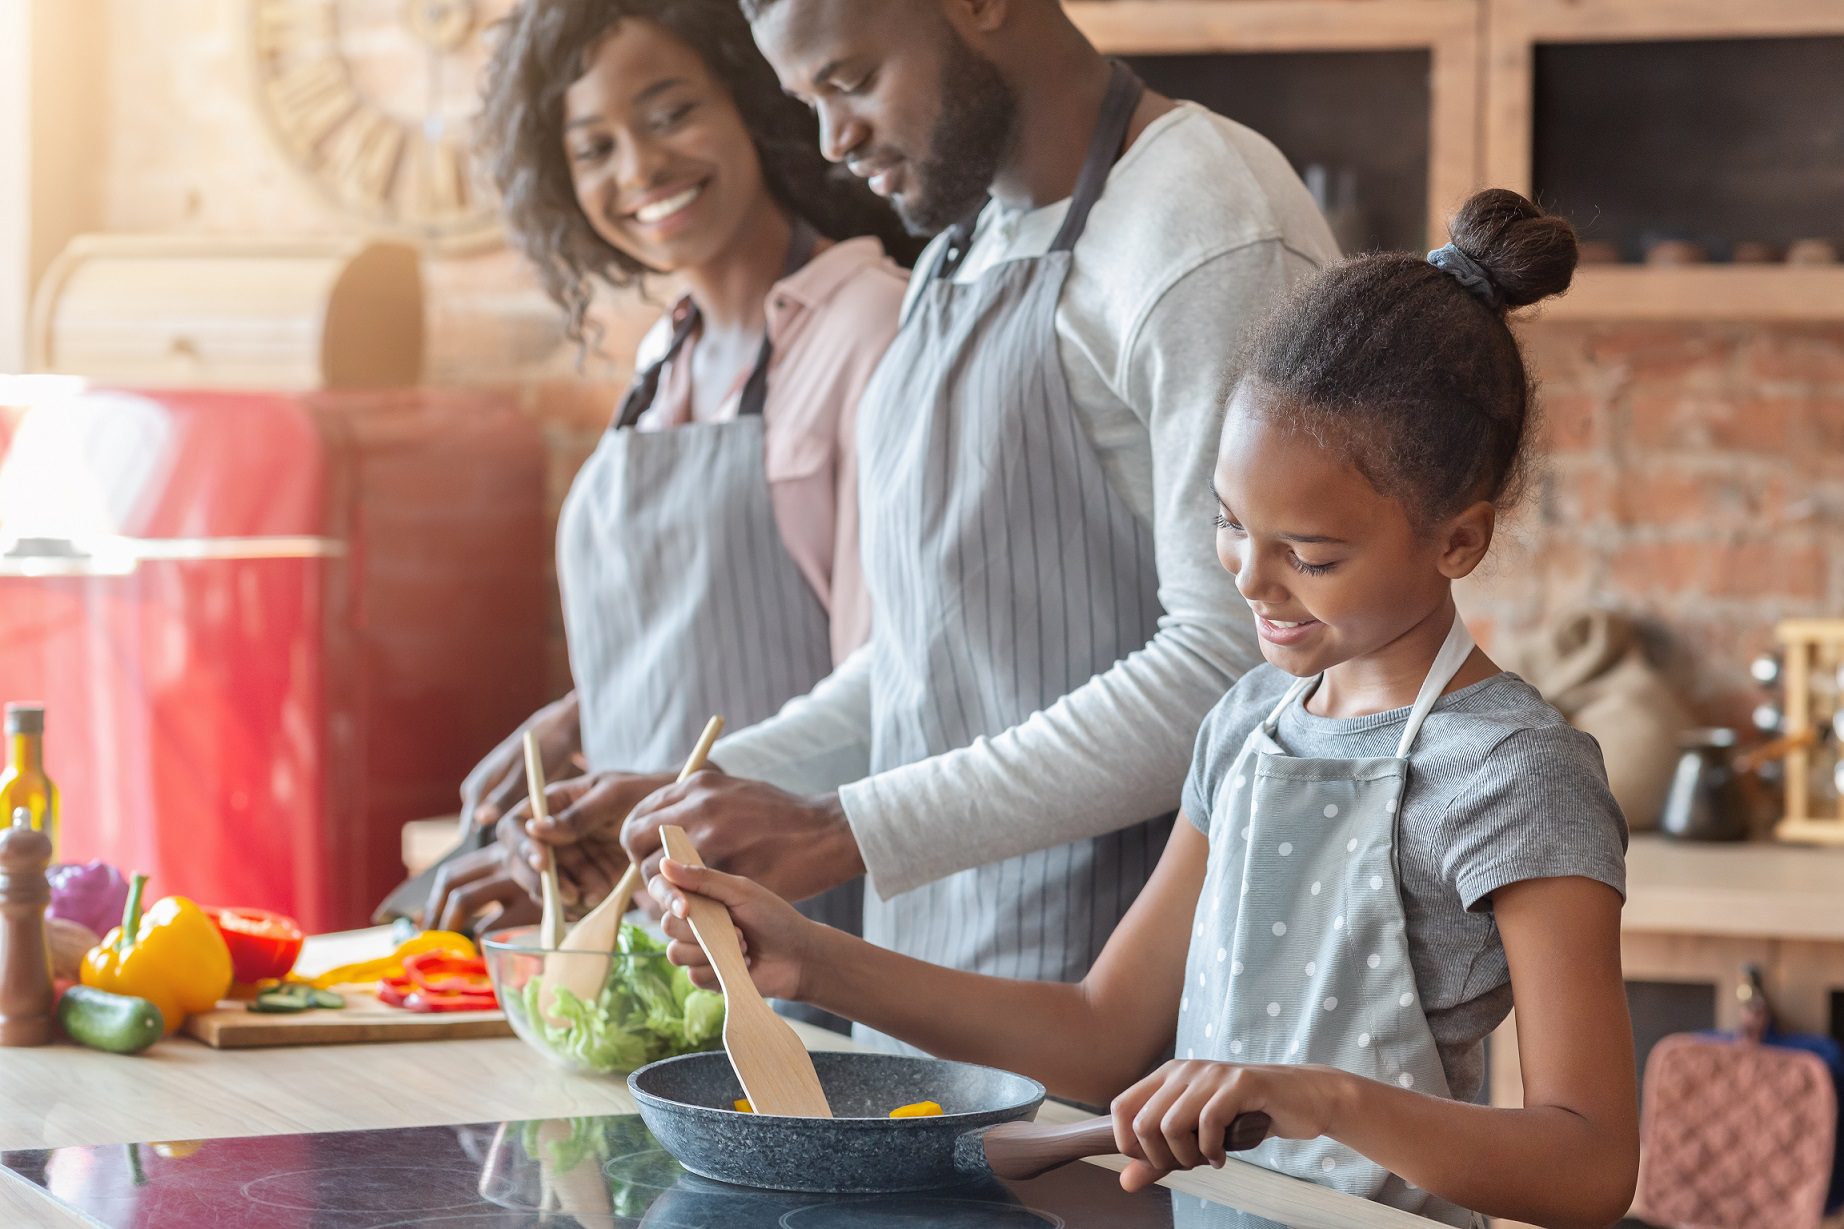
478	889
795	847
583	832
497	783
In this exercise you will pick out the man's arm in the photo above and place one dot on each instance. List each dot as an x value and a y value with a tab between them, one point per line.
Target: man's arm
816	743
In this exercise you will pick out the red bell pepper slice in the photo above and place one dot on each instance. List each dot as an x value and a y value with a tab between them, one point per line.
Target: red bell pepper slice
446	973
436	1000
262	945
404	992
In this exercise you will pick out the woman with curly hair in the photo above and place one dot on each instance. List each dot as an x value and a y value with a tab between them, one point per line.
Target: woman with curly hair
708	550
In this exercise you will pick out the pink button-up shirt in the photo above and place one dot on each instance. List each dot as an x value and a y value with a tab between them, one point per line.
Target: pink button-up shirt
830	323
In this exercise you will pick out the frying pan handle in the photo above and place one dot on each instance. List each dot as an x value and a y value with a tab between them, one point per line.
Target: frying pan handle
1020	1150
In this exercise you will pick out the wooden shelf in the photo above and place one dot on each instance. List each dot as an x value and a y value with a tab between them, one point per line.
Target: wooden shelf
1703	292
1758	890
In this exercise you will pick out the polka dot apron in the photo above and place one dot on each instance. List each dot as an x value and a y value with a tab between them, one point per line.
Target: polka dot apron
1299	949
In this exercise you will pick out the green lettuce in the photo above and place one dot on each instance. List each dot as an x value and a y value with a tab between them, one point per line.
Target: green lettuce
649	1010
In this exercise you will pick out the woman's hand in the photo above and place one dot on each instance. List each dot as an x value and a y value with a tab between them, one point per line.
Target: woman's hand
1179	1116
777	941
497	783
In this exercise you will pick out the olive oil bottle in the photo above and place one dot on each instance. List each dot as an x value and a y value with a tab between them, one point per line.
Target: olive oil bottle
24	785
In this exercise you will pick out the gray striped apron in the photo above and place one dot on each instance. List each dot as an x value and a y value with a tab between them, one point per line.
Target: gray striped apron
1005	572
679	597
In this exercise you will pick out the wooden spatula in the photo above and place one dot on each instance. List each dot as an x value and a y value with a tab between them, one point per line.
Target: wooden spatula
775	1069
579	968
550	928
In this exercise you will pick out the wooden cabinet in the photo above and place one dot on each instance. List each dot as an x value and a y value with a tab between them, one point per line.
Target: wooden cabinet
1758	170
1193	48
1708	121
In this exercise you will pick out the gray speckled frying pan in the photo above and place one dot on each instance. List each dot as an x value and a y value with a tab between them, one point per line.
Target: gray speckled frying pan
687	1103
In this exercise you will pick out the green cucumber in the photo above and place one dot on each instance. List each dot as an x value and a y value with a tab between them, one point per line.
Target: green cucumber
118	1023
294	997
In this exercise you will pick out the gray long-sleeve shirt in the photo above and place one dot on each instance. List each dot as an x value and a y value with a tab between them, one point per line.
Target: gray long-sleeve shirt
1201	229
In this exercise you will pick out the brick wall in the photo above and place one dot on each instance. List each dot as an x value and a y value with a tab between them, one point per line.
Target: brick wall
1694	478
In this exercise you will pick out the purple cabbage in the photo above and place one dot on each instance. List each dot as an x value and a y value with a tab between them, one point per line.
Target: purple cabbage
92	894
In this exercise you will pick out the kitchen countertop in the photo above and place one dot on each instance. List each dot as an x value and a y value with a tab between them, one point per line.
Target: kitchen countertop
1754	889
54	1096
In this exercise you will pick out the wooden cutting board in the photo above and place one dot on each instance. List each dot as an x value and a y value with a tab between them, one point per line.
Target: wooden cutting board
363	1019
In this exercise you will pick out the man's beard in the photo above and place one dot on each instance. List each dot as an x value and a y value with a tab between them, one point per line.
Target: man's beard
979	116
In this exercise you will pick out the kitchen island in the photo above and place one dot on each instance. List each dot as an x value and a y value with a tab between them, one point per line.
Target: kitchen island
63	1095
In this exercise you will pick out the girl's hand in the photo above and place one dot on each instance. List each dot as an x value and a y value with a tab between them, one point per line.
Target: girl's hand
1178	1117
777	941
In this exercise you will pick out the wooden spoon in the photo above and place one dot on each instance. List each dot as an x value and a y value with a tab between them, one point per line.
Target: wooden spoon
588	950
1021	1150
775	1069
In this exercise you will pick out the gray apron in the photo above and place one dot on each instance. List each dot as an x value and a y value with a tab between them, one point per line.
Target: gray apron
1313	964
679	597
1005	572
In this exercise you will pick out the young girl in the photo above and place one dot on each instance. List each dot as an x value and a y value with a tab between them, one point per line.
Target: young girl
1387	839
708	550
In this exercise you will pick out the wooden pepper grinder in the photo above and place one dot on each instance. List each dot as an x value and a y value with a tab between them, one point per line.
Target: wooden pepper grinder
25	956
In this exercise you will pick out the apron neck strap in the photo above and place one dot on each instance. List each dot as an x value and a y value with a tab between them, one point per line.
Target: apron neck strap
1454	651
801	244
1293	693
1105	148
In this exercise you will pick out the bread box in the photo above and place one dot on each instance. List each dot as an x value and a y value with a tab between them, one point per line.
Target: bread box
203	312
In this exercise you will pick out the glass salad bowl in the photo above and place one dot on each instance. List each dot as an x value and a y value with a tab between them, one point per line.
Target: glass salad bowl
647	1008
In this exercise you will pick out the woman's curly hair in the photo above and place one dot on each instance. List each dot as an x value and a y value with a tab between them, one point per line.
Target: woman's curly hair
540	52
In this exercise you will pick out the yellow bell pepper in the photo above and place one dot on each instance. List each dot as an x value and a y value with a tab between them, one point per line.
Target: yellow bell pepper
172	955
371	972
920	1109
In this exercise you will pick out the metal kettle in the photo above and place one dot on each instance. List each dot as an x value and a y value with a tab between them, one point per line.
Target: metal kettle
1704	802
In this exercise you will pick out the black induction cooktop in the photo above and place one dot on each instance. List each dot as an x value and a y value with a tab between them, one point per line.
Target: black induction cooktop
561	1173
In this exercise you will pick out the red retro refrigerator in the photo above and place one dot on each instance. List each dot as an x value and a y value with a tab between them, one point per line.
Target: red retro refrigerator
269	629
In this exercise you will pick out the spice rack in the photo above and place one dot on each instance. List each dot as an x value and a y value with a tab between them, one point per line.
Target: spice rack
1813	674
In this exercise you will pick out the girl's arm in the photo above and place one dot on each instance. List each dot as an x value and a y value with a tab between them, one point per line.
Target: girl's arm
1569	1157
1580	1117
1047	1030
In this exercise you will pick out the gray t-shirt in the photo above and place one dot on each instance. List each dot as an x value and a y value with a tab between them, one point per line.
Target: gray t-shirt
1500	790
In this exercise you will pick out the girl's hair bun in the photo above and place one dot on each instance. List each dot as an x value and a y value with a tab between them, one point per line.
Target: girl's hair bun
1528	254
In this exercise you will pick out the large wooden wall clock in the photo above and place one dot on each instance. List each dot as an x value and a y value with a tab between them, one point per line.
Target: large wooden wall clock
374	100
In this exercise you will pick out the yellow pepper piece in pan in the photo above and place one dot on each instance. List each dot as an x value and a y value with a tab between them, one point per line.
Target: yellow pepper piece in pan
921	1109
743	1106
